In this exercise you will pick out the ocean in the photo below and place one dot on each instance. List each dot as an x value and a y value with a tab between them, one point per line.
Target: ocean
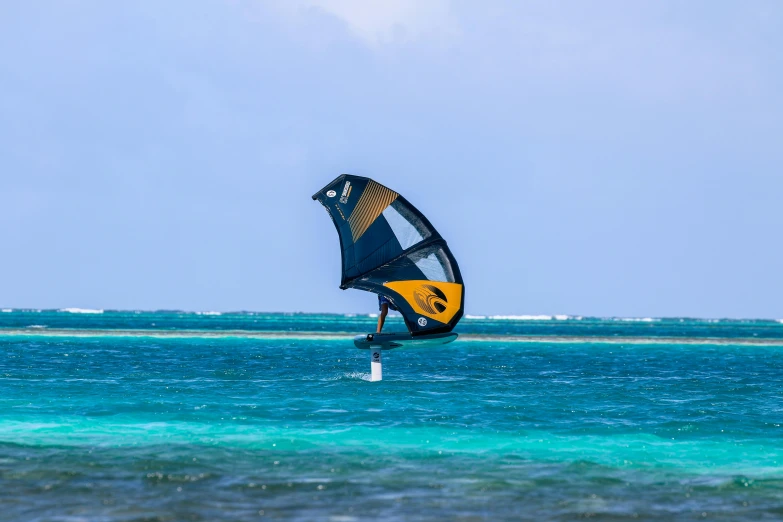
167	416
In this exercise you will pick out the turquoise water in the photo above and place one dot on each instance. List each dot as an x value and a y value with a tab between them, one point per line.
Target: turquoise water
174	416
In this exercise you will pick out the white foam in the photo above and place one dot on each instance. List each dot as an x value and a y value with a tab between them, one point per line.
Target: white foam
7	310
209	313
521	317
635	319
780	321
358	375
81	311
37	326
559	317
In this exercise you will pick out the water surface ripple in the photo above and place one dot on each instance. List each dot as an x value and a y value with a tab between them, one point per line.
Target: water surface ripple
196	428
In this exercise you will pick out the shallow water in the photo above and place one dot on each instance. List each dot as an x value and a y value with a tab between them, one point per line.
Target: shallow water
109	427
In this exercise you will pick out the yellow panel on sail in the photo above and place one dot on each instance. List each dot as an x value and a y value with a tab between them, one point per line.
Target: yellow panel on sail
433	299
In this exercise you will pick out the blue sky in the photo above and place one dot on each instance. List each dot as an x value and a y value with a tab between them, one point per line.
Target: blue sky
588	158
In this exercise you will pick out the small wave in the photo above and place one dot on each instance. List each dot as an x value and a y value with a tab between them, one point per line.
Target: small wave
81	311
521	317
209	313
351	376
7	310
37	326
780	321
559	317
357	375
635	319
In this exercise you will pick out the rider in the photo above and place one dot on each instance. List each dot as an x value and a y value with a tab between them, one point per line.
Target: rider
383	306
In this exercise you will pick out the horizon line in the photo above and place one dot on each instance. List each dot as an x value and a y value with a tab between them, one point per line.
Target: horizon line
520	317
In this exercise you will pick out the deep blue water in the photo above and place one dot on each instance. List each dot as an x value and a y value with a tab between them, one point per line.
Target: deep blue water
104	425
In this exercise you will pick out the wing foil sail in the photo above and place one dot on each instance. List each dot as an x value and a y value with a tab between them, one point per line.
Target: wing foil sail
390	248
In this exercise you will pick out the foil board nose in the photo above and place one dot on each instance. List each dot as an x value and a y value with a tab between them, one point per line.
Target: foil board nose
399	340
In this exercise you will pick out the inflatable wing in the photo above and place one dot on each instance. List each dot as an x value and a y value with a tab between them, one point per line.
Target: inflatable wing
390	248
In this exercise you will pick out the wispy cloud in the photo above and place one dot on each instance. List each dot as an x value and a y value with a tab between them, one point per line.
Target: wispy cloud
379	23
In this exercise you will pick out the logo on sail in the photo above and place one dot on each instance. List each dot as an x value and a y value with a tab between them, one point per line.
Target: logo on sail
430	299
346	192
